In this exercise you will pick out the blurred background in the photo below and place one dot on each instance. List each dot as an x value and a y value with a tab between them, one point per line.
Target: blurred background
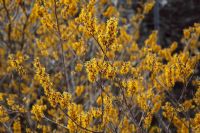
169	17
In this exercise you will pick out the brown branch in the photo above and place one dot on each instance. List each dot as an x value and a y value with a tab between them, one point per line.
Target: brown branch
9	19
24	26
135	123
55	122
100	46
174	102
61	46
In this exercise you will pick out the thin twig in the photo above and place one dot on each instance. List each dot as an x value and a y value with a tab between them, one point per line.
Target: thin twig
61	46
86	129
9	24
55	122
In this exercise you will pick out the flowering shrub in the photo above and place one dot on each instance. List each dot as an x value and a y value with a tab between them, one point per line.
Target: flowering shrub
76	66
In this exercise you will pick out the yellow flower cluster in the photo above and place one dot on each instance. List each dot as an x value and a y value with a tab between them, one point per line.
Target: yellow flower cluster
107	38
126	127
17	126
87	19
38	110
179	69
79	48
3	115
196	123
70	8
80	66
171	114
45	81
42	47
79	90
148	6
15	62
100	68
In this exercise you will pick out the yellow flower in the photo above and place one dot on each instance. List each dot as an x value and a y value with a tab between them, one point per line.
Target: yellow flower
79	90
110	11
186	33
125	67
65	100
148	6
17	126
78	67
107	39
38	111
147	120
155	129
196	123
3	115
